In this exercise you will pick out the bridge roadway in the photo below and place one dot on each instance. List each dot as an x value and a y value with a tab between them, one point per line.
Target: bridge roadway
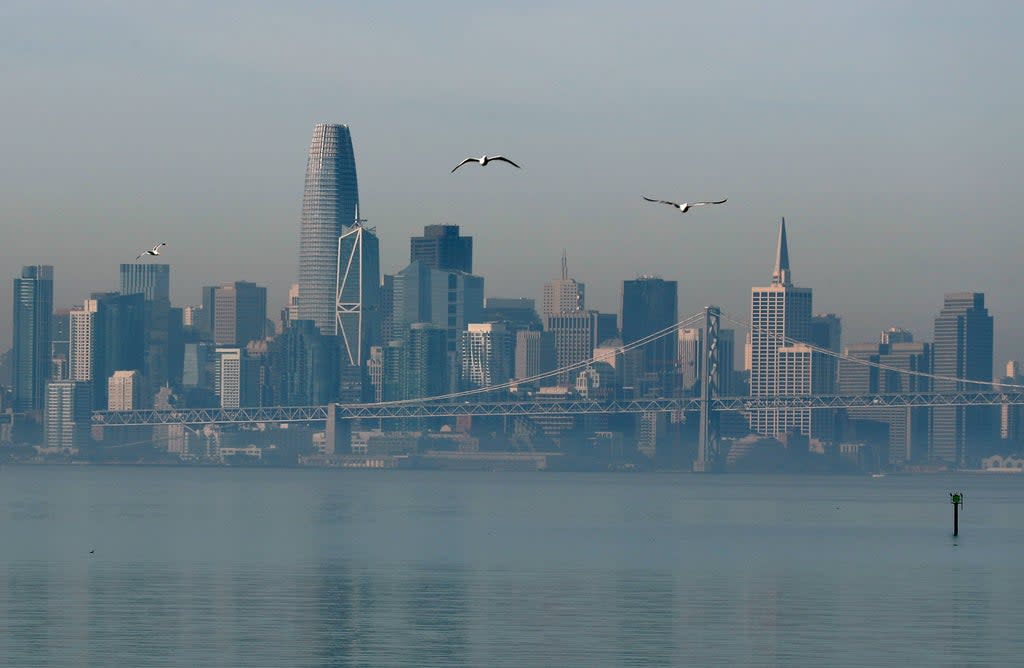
543	407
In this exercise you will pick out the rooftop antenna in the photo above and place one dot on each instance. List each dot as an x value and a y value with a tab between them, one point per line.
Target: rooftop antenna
565	266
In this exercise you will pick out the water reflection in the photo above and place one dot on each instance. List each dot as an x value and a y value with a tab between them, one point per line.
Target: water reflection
409	572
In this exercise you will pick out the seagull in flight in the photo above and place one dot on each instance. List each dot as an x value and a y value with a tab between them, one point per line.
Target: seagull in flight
685	206
155	250
484	159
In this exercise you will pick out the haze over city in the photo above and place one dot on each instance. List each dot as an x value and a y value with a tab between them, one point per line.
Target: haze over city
886	134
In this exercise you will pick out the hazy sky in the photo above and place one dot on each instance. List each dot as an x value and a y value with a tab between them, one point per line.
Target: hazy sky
889	134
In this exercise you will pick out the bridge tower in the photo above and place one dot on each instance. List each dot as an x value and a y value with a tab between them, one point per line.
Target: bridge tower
709	458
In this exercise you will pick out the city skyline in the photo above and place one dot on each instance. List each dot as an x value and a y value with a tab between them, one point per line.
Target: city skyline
894	169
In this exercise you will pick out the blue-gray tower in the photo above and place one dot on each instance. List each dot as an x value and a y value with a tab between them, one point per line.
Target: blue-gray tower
330	200
33	318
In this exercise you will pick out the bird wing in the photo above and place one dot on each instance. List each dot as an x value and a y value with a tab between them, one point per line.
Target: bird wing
463	162
139	256
659	201
157	247
504	159
721	201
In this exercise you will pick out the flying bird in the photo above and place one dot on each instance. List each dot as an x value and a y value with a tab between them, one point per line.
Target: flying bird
484	159
155	250
685	206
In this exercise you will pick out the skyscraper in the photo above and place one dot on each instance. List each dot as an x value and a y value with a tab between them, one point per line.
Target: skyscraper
575	335
780	320
330	200
441	247
240	313
563	295
357	312
535	353
649	305
66	416
33	316
124	391
153	282
487	355
962	349
448	299
107	334
908	428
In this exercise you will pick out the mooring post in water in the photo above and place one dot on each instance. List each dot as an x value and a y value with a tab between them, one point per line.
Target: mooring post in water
957	499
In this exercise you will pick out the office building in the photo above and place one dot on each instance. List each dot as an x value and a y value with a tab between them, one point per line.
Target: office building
907	429
240	313
448	300
650	305
534	355
357	312
441	247
330	201
107	334
780	318
517	313
32	336
563	295
962	349
575	337
153	281
162	327
305	366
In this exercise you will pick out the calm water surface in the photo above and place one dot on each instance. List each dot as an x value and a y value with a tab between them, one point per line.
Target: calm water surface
248	567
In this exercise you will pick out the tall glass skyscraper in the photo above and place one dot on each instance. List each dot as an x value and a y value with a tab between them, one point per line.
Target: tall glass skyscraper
963	349
330	200
33	319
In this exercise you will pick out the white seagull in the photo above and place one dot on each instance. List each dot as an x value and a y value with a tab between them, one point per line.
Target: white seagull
484	159
155	250
685	206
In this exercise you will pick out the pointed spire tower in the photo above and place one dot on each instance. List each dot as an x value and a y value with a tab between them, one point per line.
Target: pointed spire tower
780	319
781	273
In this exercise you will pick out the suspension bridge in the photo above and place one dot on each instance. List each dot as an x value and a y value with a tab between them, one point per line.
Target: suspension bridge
708	405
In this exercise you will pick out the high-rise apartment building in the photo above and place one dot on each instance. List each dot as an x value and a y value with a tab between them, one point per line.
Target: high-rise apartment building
650	305
66	418
962	349
441	247
425	360
32	335
125	391
236	378
82	338
240	313
59	346
330	201
780	362
563	295
487	355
